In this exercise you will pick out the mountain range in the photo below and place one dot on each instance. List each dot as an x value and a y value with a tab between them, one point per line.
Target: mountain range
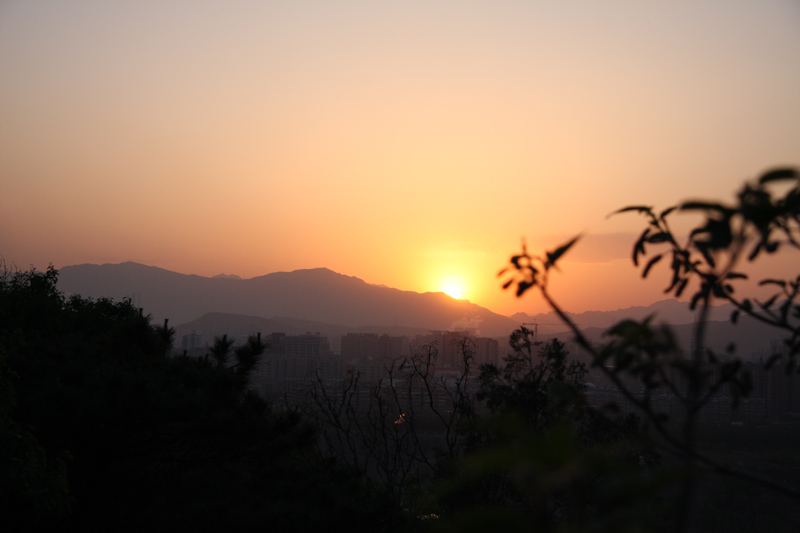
320	300
319	295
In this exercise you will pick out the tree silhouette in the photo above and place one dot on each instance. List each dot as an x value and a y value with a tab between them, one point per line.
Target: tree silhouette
102	428
402	430
544	459
221	350
538	382
708	261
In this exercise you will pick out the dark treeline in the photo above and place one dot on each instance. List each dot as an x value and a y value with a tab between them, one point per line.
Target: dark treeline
103	430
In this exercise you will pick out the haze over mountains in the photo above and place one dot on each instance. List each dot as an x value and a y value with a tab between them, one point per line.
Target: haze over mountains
319	295
321	300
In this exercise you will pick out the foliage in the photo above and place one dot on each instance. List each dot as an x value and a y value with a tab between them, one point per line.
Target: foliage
31	482
539	383
544	458
402	428
707	262
438	441
104	429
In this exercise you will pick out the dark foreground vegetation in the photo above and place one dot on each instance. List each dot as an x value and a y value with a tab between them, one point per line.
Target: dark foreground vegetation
103	427
103	430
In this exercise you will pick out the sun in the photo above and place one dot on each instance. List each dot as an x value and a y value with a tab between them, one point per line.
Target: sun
453	286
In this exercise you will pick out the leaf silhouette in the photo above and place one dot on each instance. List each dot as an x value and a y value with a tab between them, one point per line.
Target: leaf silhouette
637	208
779	174
552	257
650	264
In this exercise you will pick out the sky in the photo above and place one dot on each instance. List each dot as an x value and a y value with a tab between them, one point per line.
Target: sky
404	143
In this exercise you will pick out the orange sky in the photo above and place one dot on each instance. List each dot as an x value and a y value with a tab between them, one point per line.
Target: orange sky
399	142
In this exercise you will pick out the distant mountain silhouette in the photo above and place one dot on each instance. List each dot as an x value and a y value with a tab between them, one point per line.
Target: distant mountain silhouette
751	339
320	300
318	295
227	276
664	311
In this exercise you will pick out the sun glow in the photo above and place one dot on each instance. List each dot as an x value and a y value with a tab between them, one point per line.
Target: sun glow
453	286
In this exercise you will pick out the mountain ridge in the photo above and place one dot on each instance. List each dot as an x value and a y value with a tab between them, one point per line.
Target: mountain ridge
318	294
184	297
334	304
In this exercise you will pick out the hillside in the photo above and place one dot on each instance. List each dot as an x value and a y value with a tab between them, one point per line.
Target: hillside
317	295
320	300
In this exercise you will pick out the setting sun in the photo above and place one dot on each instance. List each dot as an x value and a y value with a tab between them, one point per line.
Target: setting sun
454	287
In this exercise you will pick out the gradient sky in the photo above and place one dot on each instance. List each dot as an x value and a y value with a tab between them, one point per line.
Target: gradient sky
399	142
